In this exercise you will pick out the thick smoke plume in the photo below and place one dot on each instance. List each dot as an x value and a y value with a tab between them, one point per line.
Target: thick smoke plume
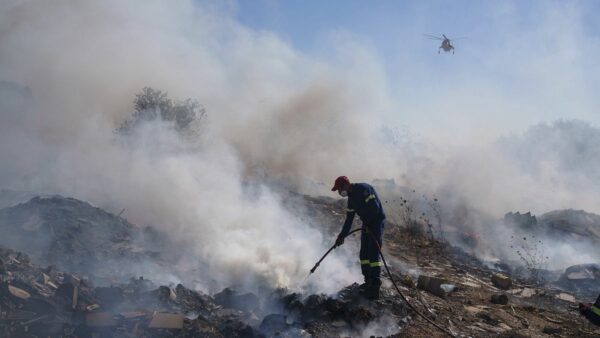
70	71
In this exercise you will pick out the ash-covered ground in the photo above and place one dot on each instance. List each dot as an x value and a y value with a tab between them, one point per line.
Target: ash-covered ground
69	269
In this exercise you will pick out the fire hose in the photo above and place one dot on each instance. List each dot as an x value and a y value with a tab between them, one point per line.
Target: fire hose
391	278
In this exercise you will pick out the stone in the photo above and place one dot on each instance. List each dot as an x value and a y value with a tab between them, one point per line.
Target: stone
432	285
500	299
501	281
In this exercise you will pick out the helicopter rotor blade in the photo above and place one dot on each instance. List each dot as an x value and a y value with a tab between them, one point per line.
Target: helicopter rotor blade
433	37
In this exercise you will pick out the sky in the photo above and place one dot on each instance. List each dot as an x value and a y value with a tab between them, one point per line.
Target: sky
520	62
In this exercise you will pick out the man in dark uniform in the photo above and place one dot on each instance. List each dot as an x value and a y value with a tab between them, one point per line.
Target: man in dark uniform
591	311
363	200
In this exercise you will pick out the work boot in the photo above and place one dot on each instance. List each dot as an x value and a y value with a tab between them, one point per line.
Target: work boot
372	292
365	286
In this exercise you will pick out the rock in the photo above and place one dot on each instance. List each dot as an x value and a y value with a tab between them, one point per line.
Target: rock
500	299
501	281
432	285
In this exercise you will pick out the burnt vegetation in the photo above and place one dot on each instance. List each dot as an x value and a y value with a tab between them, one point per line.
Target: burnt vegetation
155	105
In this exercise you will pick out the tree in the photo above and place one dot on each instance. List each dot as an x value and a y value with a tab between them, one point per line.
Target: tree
152	104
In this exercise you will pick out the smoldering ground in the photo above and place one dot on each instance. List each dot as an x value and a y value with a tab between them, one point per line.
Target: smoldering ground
71	70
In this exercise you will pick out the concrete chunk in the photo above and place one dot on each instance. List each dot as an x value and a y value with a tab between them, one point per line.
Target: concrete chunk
501	281
432	285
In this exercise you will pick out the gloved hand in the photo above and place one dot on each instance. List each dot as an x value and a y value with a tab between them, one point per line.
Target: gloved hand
339	241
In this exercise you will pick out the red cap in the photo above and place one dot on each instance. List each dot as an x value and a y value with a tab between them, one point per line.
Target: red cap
340	182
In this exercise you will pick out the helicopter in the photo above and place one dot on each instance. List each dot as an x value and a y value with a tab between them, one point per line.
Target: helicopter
446	45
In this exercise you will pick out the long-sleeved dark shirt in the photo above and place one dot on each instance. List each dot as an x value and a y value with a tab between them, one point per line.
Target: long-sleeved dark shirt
363	200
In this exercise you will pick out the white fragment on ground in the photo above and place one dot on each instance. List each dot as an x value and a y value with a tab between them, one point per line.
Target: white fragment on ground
566	297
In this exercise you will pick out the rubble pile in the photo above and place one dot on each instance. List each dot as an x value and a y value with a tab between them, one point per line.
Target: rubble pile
75	236
572	224
583	279
568	226
49	236
44	302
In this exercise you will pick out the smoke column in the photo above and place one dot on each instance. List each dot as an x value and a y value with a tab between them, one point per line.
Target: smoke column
70	70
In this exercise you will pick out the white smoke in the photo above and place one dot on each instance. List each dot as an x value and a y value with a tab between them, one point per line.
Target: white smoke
270	111
73	68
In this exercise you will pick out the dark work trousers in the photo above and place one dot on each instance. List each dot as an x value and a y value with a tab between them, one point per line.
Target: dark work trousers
593	315
370	261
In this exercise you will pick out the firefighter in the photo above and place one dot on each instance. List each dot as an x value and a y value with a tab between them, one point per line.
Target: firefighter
363	200
591	311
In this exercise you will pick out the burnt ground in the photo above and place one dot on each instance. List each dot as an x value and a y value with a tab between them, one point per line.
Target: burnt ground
531	310
40	300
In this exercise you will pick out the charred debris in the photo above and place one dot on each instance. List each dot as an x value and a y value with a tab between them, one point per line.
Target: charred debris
58	278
